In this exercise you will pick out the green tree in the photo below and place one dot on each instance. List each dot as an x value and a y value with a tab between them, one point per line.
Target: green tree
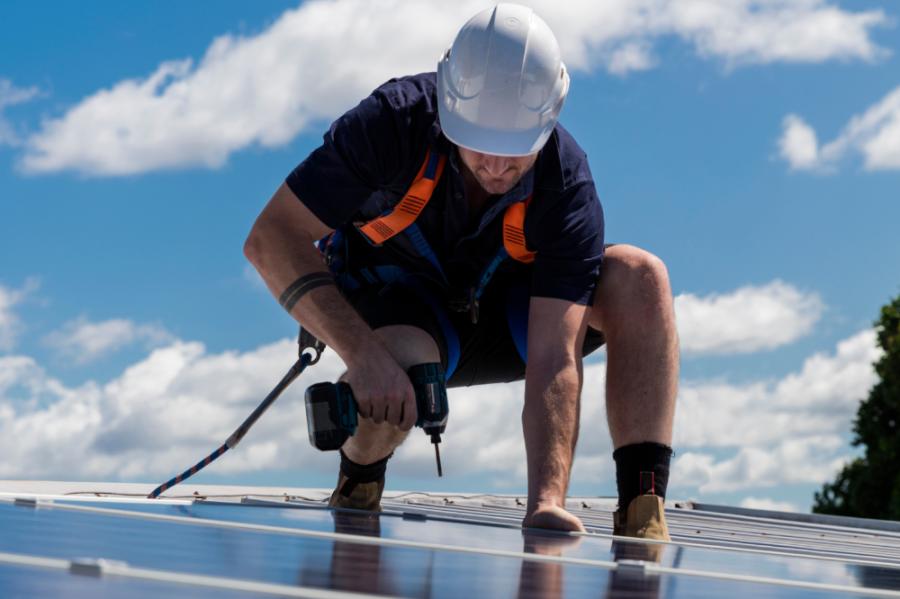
869	486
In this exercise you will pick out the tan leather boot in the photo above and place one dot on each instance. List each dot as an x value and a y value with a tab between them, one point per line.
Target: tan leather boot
364	496
645	518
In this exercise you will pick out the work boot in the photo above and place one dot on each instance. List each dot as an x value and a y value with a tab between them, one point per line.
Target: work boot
361	496
645	518
359	485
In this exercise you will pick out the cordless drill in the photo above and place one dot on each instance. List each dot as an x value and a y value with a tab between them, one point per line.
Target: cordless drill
332	412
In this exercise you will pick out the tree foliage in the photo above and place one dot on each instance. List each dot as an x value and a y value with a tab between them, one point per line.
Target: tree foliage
869	486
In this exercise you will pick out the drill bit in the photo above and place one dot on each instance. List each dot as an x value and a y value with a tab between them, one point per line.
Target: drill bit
436	439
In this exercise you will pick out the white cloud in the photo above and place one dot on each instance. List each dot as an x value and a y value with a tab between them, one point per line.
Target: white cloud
10	95
630	57
319	59
819	399
767	31
161	414
746	320
83	341
816	457
803	419
832	384
798	144
10	323
739	32
874	134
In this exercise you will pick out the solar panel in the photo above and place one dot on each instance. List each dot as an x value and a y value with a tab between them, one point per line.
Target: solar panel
422	546
32	581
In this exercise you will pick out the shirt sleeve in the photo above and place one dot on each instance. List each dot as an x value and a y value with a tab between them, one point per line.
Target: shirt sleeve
361	153
569	246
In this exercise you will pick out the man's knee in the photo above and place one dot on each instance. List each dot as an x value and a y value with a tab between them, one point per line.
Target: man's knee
633	281
630	265
409	345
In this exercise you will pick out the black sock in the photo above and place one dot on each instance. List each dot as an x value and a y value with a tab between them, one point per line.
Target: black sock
641	469
361	473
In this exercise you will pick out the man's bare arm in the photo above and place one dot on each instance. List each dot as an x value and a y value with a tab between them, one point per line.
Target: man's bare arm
553	379
281	248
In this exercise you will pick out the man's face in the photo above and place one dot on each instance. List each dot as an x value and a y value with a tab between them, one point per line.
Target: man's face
496	174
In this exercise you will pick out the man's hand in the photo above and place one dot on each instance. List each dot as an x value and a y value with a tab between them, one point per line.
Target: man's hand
556	330
552	517
382	389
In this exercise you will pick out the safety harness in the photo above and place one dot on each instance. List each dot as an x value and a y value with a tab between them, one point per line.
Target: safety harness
402	216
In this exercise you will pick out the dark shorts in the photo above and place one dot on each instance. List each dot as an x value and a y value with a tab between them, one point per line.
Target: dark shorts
491	351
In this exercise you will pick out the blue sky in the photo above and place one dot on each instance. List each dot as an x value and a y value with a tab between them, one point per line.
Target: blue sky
755	147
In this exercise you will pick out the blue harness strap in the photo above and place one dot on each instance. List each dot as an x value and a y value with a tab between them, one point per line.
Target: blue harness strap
394	274
415	236
332	249
517	304
489	271
431	168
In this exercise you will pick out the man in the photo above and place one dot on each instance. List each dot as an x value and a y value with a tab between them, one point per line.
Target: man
461	228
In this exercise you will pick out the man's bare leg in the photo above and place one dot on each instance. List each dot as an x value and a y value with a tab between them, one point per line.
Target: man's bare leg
409	346
633	307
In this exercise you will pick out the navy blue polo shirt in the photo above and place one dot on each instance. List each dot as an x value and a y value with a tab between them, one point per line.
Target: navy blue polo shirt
371	155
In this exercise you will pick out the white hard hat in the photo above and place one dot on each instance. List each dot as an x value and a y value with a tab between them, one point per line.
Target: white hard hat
502	83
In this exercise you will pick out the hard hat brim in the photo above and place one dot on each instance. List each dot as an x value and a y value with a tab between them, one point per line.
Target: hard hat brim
493	141
487	140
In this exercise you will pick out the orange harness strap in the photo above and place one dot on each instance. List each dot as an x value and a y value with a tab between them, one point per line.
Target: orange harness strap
514	232
409	208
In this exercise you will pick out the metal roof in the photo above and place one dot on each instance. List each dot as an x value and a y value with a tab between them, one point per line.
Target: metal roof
92	539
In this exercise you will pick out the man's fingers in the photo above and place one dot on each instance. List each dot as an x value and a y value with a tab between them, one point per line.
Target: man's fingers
397	406
409	414
376	412
390	400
